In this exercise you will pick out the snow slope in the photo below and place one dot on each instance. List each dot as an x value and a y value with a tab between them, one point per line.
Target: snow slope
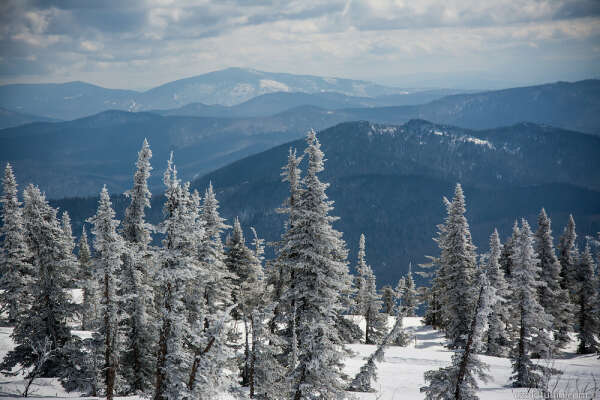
400	375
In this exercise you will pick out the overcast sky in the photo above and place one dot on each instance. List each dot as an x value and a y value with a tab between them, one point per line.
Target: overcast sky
451	43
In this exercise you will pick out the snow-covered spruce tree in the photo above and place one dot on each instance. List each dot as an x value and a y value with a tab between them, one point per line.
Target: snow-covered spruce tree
209	377
137	361
319	278
109	247
568	256
498	334
400	287
15	258
458	261
388	296
507	250
218	285
410	295
360	283
368	372
177	267
69	245
248	288
458	381
368	301
553	298
434	313
51	306
530	321
267	374
89	304
588	324
279	271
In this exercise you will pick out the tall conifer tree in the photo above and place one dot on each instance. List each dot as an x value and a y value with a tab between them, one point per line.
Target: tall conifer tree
588	324
498	334
319	278
568	256
15	258
137	360
368	300
530	321
458	260
109	247
553	298
410	295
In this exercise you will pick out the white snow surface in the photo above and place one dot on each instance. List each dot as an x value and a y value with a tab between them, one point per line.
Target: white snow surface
479	142
273	86
400	375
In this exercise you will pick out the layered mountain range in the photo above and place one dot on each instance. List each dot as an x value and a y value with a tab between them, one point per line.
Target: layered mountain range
74	158
225	87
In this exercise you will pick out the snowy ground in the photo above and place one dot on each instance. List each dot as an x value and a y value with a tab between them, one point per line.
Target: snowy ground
400	374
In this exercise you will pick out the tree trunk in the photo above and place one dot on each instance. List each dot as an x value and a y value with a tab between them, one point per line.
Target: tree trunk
109	368
462	370
246	371
162	348
252	359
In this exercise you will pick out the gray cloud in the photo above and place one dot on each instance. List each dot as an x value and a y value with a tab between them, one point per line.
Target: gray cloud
146	42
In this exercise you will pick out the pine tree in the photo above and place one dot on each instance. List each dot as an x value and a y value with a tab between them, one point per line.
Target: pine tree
212	355
248	287
458	260
279	272
15	258
137	360
267	376
568	256
178	266
89	311
218	287
507	251
69	246
498	334
51	305
457	382
368	301
388	297
530	320
319	278
410	295
588	324
434	314
553	298
360	283
109	247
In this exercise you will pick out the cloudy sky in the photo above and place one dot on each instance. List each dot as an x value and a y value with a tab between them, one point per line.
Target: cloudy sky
441	43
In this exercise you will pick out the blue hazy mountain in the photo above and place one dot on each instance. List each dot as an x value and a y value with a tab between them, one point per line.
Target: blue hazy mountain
567	105
64	100
273	103
9	118
226	87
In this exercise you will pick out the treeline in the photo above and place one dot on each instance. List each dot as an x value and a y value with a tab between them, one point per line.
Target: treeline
520	300
200	315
